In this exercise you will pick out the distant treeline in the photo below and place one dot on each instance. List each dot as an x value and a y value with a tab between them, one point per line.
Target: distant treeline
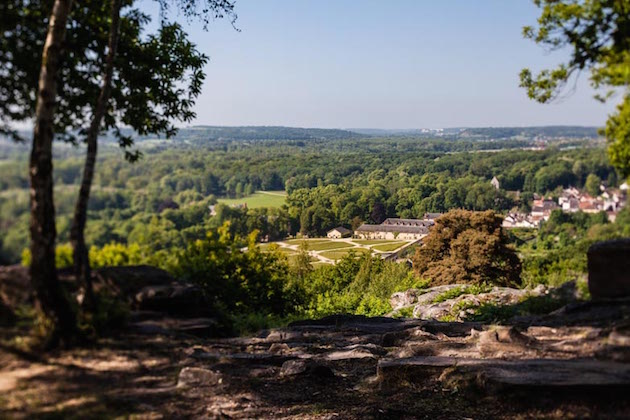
213	134
558	131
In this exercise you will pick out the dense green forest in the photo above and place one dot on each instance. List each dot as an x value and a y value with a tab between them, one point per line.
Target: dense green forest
162	201
157	211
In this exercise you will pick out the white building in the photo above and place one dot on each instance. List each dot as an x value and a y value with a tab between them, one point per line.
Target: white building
517	220
390	231
495	183
339	232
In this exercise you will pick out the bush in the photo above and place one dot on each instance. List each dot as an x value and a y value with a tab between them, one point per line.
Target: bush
63	256
116	254
243	281
360	285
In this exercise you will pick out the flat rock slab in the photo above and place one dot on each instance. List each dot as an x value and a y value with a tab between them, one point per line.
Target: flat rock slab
200	327
195	376
246	358
516	373
309	368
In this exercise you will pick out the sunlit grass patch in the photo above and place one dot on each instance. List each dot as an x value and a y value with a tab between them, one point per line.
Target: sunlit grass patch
309	241
259	199
336	255
323	246
392	246
371	241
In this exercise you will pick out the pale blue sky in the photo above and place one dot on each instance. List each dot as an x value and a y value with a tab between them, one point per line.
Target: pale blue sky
378	64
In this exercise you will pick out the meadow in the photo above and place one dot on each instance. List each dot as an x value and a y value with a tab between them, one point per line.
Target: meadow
260	199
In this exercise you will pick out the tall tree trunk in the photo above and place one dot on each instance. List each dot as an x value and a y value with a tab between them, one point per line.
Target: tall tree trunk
77	232
43	271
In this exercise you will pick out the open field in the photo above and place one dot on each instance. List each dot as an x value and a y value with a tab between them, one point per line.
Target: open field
323	246
338	254
258	199
309	241
371	241
388	247
326	251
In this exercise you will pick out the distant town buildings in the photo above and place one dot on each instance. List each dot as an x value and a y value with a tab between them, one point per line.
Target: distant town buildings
514	220
571	200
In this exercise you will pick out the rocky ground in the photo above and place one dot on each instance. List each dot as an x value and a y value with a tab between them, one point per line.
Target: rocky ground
572	363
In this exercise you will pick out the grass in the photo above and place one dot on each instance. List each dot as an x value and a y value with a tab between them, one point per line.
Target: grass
371	241
324	246
259	199
391	246
336	255
308	241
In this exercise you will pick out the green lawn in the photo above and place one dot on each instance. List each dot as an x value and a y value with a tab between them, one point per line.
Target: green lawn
390	246
258	199
309	241
265	247
371	241
323	246
336	255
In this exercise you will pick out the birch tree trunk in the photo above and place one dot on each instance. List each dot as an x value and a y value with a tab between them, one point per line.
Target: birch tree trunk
42	225
77	232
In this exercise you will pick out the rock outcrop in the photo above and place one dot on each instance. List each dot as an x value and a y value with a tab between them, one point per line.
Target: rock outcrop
402	356
430	303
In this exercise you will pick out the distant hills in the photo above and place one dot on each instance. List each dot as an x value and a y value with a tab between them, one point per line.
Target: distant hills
486	133
203	133
264	133
292	133
530	132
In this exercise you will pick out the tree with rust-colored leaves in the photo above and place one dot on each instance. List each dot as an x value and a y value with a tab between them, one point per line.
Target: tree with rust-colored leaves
468	247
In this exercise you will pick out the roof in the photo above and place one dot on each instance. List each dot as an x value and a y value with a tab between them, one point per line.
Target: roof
407	222
393	228
340	229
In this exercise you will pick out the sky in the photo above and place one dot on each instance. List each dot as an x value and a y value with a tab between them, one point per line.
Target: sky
379	64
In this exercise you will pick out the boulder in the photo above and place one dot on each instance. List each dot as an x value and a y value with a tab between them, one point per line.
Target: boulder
15	286
173	299
529	374
609	269
306	367
194	376
403	299
500	296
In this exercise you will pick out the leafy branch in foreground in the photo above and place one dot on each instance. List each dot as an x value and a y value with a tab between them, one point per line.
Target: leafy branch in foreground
598	33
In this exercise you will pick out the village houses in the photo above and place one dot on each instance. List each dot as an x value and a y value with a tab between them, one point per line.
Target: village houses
571	200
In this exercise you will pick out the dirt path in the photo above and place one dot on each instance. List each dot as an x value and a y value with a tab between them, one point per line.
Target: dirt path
340	367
